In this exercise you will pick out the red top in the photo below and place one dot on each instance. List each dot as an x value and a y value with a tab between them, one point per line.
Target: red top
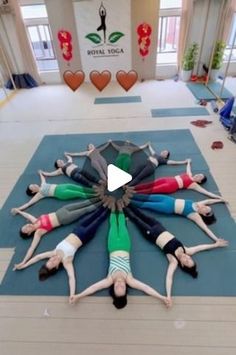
44	222
187	180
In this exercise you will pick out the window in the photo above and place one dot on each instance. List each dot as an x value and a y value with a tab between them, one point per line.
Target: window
168	32
36	21
230	42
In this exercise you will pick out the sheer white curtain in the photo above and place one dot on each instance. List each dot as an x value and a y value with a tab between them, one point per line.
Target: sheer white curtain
25	46
226	21
185	20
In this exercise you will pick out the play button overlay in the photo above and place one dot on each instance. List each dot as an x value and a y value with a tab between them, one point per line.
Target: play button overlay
116	178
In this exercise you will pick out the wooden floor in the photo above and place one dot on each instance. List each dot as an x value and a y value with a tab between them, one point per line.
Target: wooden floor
49	325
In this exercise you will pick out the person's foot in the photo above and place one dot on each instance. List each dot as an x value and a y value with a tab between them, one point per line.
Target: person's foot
120	205
126	200
112	203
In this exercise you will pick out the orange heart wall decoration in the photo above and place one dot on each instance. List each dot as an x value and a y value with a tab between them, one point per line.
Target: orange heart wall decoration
100	80
74	80
126	80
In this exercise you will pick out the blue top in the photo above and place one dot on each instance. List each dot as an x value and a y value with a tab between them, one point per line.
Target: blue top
188	208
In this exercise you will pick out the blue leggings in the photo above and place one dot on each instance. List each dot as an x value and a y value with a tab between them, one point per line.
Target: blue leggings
159	203
88	225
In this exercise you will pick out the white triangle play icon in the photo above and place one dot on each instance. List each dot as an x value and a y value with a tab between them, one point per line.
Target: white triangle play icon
116	178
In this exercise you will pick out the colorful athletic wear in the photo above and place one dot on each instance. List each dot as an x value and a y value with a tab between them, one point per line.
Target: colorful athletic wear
119	263
70	191
98	163
118	237
162	204
150	227
67	248
165	185
123	161
44	222
70	213
88	225
172	246
45	189
147	169
80	176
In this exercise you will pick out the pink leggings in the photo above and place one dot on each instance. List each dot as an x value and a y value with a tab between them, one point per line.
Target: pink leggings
163	185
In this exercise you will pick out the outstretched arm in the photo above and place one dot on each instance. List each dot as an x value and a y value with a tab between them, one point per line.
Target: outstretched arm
103	147
195	217
100	285
176	162
211	201
42	177
33	246
81	154
114	145
27	216
196	187
188	168
31	202
52	173
134	148
35	259
169	277
220	243
68	265
152	151
138	285
69	159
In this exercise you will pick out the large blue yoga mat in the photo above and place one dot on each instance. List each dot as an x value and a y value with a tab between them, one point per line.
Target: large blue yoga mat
179	112
216	267
201	92
117	100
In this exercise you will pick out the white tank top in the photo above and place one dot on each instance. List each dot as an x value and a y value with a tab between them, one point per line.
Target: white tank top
68	249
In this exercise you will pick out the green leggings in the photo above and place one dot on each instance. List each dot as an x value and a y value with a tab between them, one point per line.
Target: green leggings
118	236
69	191
123	161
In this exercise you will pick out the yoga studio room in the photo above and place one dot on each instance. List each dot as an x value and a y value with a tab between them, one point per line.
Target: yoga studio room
118	168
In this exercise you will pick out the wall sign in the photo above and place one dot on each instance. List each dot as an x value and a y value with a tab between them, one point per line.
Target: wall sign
104	32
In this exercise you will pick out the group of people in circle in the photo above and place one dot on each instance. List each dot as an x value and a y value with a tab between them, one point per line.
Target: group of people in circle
94	205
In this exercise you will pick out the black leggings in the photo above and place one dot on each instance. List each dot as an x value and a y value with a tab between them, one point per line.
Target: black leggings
88	225
83	177
141	172
150	227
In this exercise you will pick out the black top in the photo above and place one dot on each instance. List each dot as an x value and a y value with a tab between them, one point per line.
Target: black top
160	159
172	246
65	167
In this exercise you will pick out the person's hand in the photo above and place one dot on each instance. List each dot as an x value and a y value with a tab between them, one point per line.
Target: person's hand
18	266
222	243
168	302
14	211
73	299
224	200
189	161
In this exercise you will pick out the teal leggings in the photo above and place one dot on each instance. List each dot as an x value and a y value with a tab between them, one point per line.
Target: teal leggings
70	191
118	236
